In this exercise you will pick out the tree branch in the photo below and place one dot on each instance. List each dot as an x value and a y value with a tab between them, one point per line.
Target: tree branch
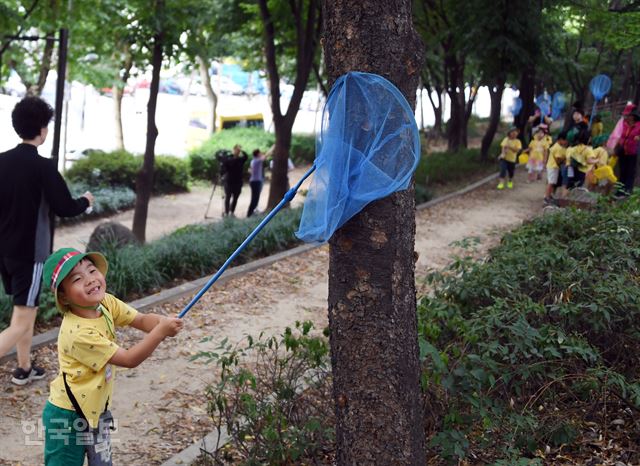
5	46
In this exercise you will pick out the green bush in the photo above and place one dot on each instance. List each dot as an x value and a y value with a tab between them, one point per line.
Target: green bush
204	166
439	168
171	175
548	322
120	168
107	200
117	168
263	399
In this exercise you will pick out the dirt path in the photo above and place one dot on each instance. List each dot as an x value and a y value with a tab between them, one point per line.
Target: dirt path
162	405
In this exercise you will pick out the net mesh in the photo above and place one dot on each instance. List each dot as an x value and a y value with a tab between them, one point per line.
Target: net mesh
600	86
368	148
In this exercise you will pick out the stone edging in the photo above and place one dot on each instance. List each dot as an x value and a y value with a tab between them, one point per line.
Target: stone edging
192	287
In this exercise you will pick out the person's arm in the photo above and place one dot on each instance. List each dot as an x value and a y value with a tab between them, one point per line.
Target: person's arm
133	356
58	196
145	322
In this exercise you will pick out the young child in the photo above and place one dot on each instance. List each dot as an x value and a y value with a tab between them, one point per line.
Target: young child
511	145
578	161
601	177
555	159
538	151
76	416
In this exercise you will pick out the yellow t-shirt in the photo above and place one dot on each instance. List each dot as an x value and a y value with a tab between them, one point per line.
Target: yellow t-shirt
580	153
84	347
513	146
602	155
537	147
557	156
597	128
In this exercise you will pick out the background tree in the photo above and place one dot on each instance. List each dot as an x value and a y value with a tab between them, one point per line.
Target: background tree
509	44
372	301
306	18
163	26
215	34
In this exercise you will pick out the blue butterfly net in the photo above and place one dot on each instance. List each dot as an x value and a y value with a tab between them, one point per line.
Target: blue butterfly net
368	147
600	86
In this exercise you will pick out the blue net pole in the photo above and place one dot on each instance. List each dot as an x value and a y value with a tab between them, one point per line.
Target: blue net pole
289	195
593	112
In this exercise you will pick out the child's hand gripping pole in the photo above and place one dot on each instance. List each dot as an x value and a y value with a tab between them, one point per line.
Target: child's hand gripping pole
289	195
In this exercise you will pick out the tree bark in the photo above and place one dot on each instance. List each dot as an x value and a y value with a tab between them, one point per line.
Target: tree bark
372	297
307	31
211	95
494	117
144	180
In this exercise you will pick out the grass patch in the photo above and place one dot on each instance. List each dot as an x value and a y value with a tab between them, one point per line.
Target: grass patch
440	172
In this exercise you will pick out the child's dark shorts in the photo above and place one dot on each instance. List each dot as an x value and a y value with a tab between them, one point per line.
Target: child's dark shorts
22	280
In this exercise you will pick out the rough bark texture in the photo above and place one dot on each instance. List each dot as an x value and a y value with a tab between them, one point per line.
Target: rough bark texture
372	300
144	180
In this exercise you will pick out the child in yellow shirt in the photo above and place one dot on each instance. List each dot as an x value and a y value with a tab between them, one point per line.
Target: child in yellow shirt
579	160
601	176
76	417
555	159
538	152
510	145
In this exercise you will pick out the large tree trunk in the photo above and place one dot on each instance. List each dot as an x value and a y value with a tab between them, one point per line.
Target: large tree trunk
372	297
494	117
211	95
144	180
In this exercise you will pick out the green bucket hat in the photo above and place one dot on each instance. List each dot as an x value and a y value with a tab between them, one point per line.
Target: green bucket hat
60	263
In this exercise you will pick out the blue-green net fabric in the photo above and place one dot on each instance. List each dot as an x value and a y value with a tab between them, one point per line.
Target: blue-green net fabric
368	148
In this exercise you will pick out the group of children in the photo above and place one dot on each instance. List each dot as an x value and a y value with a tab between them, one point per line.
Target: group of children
573	160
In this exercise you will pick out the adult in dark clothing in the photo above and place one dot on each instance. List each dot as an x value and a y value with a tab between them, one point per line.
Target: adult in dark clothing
233	169
627	149
30	187
256	179
576	127
534	121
